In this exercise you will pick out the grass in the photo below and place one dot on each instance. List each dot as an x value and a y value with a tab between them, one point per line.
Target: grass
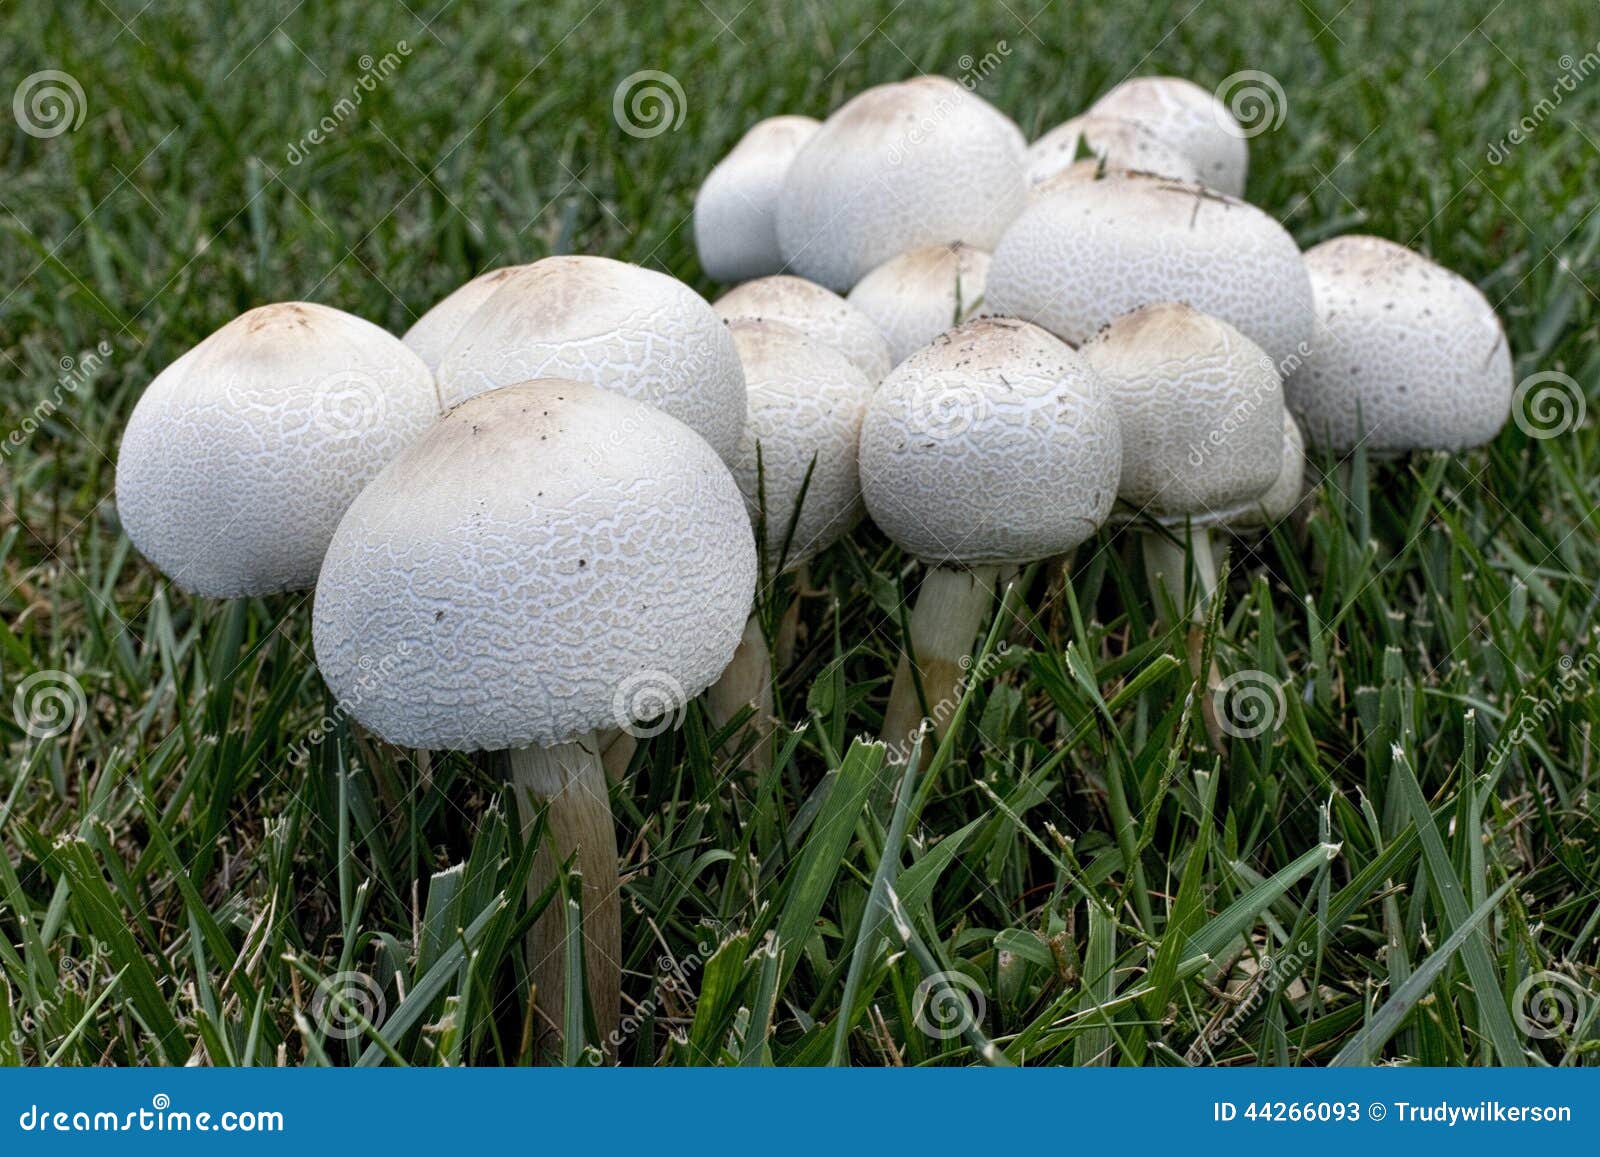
1412	843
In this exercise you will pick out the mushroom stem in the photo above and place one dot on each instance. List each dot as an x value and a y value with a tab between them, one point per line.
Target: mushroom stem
747	681
950	609
616	751
789	625
569	782
1164	564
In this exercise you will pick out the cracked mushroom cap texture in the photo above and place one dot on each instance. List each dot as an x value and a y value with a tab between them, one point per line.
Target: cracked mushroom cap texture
614	325
816	312
433	332
735	211
241	456
915	297
1090	251
1281	499
997	443
1190	120
545	557
1406	353
900	166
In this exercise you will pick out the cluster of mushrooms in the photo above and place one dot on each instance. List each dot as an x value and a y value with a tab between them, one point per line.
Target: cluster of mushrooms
543	514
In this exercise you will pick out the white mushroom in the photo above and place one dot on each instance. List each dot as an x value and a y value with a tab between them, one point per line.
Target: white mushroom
900	166
1407	355
816	312
614	325
1110	141
1282	499
996	445
1188	118
915	297
735	211
547	560
1092	250
433	332
240	457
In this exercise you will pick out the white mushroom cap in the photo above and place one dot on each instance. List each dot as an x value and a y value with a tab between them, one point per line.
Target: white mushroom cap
995	444
1280	501
816	312
1201	411
433	332
1406	352
898	167
241	456
915	297
806	405
1114	142
1188	118
1091	251
735	211
543	559
615	325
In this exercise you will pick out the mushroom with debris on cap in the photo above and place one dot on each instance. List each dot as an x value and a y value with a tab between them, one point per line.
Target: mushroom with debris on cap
915	297
241	456
994	446
1113	143
549	559
735	211
816	312
1190	119
431	334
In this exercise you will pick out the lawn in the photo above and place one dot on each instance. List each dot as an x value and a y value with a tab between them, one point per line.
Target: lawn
1397	858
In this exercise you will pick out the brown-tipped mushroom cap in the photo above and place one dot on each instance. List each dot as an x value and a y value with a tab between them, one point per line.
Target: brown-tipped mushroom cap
817	312
1112	141
1191	120
735	211
433	332
915	297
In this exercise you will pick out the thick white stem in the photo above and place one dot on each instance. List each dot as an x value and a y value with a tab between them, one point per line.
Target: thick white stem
1168	559
950	610
569	782
747	681
616	751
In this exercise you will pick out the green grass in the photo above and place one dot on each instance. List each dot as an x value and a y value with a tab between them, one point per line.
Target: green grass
175	886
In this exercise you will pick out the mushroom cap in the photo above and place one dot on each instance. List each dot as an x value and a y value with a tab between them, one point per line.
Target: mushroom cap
1201	411
1114	142
1191	120
816	312
545	558
806	405
241	456
915	297
615	325
1406	353
1280	501
1090	251
995	444
430	336
735	211
900	166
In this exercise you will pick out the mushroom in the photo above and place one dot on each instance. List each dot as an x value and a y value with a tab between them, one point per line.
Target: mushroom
997	445
1190	119
735	226
1281	500
430	336
1090	251
900	166
816	312
614	325
796	468
241	456
549	559
915	297
1407	355
1113	142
